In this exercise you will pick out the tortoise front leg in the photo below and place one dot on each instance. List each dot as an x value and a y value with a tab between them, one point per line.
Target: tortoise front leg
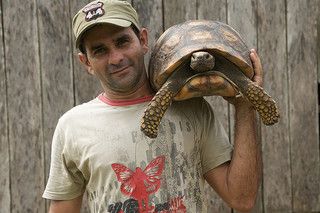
260	100
155	110
263	103
162	100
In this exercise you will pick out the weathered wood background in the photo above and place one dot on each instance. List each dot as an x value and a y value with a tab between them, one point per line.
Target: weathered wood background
40	78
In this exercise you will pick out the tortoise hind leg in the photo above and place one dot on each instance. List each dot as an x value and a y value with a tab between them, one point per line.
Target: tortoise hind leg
263	103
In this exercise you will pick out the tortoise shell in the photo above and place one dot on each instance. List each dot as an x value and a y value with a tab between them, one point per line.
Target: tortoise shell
180	41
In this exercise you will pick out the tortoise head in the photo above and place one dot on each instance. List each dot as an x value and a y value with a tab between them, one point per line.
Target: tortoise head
202	61
198	58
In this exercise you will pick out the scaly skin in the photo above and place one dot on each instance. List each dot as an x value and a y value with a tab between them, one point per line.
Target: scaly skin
263	103
163	99
155	111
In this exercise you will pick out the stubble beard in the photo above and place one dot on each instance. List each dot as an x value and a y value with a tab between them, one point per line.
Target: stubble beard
127	85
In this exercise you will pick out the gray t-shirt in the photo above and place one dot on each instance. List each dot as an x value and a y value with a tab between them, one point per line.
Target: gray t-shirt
98	147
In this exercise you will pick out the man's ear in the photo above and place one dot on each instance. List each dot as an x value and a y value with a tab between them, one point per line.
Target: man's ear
84	60
144	39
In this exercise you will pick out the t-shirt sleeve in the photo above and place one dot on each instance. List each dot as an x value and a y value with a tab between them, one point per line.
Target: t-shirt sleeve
65	181
216	148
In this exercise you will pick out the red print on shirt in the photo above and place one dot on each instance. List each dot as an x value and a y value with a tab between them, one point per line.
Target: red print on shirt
140	184
177	206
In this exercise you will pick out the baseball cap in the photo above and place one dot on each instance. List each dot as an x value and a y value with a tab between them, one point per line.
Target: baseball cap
117	12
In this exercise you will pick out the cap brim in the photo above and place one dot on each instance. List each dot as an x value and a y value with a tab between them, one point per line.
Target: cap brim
118	22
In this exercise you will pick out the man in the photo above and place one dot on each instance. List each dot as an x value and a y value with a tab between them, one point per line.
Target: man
98	146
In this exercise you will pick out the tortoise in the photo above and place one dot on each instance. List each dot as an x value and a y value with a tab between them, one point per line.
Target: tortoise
202	58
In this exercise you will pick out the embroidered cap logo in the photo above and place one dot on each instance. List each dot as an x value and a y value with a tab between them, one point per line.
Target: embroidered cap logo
93	11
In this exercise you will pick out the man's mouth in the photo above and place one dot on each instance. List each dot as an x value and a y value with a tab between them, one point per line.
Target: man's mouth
119	70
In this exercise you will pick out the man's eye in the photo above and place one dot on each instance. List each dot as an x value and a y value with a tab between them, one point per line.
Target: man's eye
99	50
123	42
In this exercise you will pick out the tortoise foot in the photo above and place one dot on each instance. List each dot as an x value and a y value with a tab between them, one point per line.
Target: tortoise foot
155	111
263	103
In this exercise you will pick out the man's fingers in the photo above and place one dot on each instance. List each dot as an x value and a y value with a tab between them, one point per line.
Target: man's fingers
256	61
257	67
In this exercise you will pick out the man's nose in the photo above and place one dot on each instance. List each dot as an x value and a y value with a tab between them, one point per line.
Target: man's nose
115	57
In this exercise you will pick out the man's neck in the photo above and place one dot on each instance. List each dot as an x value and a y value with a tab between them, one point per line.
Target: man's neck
142	91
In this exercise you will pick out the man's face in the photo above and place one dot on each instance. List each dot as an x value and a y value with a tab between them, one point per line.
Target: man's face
115	55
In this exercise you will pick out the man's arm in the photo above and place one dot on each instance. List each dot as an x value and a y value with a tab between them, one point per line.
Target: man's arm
237	181
66	206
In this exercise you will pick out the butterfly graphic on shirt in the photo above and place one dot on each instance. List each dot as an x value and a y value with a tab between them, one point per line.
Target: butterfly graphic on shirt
139	184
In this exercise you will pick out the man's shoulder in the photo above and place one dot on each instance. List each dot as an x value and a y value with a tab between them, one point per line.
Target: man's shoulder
79	112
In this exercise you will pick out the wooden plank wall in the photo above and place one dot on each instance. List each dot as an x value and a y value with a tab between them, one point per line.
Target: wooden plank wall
24	101
40	78
4	142
276	144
